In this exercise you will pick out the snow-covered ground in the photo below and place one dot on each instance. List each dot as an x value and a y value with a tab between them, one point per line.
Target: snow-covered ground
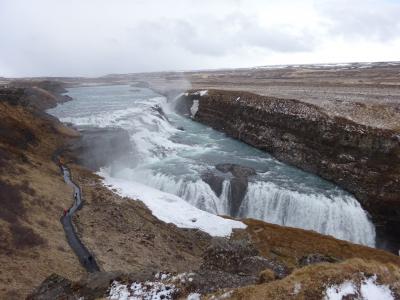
164	286
141	291
172	209
369	289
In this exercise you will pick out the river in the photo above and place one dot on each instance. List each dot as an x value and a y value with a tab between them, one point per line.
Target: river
171	153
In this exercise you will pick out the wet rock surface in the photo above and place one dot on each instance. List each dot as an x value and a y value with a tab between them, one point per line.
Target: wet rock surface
236	170
239	180
160	112
239	184
215	181
183	105
361	159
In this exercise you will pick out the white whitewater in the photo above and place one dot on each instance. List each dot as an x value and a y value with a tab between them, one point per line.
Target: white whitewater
340	216
173	161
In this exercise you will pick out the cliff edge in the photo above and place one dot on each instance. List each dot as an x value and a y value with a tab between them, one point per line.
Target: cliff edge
361	159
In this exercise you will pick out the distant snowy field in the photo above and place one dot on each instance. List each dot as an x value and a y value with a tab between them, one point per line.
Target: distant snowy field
172	209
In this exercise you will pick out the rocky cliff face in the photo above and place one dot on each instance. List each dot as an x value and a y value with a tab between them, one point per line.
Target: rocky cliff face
38	95
361	159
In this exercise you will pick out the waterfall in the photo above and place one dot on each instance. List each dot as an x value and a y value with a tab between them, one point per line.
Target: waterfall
341	217
195	191
172	153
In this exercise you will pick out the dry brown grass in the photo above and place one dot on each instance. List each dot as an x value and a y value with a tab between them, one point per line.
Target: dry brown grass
289	245
125	236
32	196
310	282
66	131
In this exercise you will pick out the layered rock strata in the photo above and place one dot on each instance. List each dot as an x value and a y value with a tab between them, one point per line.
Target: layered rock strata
361	159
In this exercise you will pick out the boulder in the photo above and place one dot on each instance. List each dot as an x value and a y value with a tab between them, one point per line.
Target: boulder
214	181
233	263
239	184
236	170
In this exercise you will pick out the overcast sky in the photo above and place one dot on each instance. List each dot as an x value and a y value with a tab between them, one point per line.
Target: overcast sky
97	37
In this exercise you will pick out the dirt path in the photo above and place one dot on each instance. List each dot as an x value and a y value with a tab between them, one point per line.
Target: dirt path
85	257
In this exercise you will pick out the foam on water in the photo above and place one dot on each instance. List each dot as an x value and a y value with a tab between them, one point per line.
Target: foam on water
173	161
194	191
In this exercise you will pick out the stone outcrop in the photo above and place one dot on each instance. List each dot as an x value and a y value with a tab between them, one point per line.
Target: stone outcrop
38	95
239	181
363	160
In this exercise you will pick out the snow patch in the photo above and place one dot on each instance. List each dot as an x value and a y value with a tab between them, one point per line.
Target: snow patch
338	292
296	288
368	290
371	290
119	292
148	290
170	208
203	93
226	295
200	93
193	296
194	108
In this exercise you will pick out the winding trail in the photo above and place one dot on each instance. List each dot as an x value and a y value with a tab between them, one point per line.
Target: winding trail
86	259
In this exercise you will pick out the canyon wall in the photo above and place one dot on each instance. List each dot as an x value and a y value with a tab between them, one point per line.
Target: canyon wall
363	160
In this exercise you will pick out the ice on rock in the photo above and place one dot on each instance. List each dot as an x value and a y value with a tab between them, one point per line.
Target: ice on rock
194	108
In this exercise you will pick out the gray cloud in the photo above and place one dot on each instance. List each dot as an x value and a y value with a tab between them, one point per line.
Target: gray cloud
96	37
363	19
218	37
235	32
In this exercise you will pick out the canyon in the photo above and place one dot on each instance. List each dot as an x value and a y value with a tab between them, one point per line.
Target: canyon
131	244
361	159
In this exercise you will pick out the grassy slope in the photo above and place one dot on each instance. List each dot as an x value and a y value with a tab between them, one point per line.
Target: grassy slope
289	245
310	282
32	242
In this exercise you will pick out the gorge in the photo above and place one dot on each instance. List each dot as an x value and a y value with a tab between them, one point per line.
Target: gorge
175	155
183	174
361	159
